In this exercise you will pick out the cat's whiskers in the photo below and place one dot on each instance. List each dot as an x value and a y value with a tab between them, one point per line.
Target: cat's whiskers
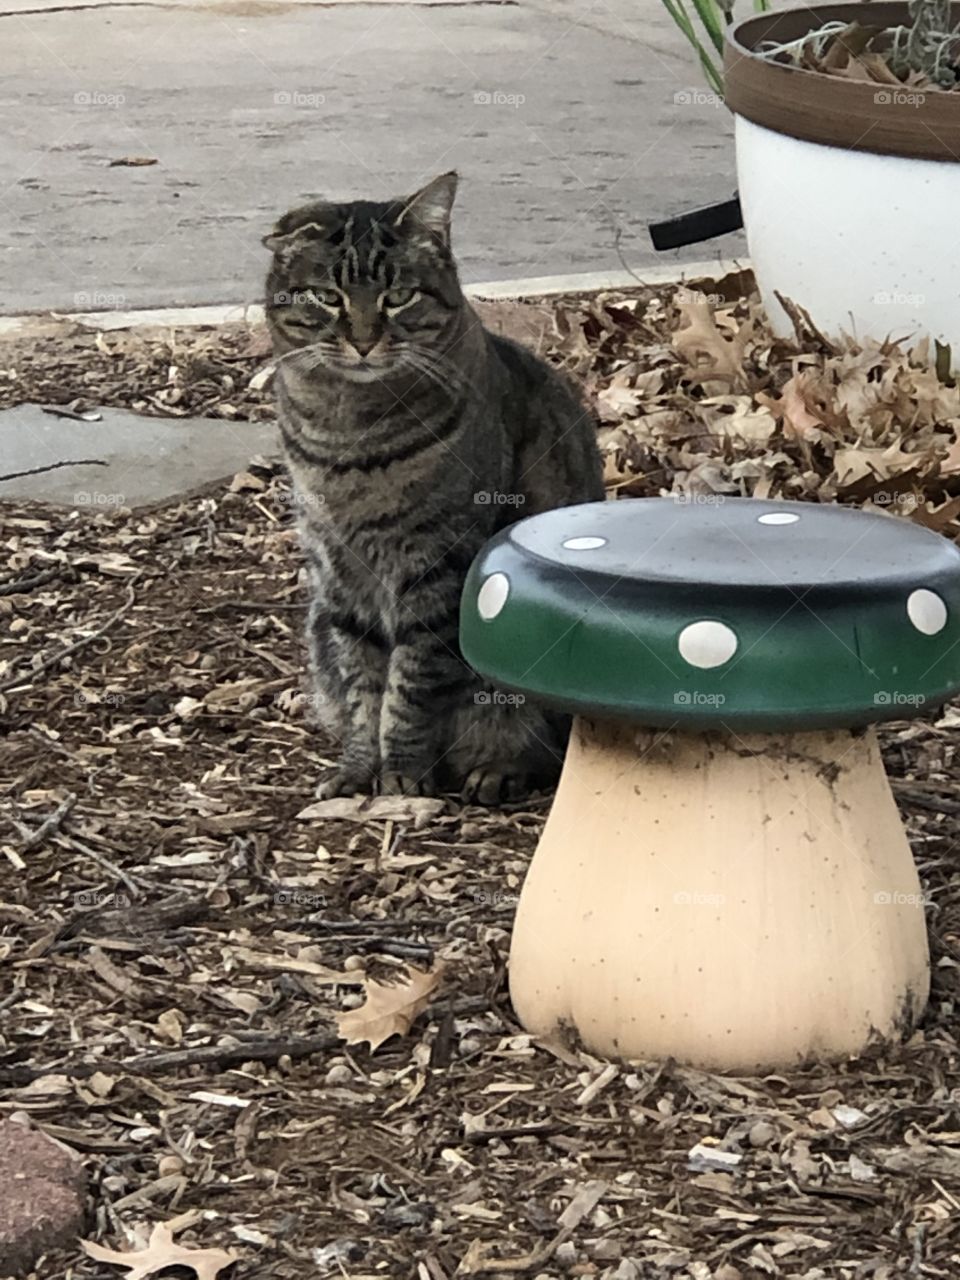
440	370
314	349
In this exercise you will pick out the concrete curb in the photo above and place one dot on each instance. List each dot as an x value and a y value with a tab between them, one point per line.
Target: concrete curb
236	313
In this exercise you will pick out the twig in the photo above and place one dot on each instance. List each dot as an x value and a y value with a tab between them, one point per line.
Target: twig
617	236
104	863
391	947
59	411
269	1049
441	1050
284	668
946	1194
586	1200
27	584
9	1000
933	804
49	824
803	325
147	1064
245	606
28	677
363	926
274	789
55	466
479	1136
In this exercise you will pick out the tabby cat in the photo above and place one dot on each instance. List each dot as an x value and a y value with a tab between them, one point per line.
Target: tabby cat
412	435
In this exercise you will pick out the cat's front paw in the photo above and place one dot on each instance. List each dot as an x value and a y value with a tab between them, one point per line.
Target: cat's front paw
345	780
393	783
490	785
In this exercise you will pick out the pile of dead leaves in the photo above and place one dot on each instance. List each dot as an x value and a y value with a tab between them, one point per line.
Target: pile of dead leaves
698	397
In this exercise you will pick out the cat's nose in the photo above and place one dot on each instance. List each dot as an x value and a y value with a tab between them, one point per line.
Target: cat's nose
365	344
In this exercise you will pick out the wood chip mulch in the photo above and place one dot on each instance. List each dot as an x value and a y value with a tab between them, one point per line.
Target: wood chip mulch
175	945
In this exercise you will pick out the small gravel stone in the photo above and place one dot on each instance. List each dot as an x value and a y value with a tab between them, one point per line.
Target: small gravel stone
339	1074
566	1254
761	1134
627	1270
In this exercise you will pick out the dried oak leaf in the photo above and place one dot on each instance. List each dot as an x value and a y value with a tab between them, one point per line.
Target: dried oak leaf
416	809
705	348
389	1010
738	417
161	1252
796	407
618	401
854	464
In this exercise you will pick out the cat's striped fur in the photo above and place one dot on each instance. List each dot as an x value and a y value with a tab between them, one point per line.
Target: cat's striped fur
399	412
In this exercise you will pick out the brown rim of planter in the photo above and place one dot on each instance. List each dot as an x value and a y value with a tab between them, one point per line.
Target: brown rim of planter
854	114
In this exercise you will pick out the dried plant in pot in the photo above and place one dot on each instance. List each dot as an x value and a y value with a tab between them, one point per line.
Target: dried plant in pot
723	878
848	162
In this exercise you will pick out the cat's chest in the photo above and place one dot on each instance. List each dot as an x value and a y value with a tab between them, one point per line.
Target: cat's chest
356	467
370	575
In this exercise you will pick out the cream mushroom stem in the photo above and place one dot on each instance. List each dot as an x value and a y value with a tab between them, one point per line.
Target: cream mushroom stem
735	901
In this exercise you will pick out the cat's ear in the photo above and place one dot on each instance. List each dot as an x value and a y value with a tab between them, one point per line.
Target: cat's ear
431	206
302	223
280	240
284	245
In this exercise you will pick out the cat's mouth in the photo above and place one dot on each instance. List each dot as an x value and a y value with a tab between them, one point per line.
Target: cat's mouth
364	371
376	366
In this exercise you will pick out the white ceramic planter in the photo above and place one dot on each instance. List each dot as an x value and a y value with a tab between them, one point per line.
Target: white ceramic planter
849	189
866	243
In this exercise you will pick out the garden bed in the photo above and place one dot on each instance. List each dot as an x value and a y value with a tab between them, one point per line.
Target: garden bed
178	941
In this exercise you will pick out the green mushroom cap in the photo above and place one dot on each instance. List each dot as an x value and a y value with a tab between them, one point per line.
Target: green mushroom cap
739	613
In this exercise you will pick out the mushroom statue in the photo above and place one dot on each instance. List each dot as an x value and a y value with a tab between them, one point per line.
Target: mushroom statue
723	878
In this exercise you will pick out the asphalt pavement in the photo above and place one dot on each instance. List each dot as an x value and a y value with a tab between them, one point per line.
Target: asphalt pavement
572	125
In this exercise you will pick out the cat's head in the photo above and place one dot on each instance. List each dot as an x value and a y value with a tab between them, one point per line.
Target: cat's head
370	288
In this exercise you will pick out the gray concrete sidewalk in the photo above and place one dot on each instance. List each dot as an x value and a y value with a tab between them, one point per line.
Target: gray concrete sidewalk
121	459
560	115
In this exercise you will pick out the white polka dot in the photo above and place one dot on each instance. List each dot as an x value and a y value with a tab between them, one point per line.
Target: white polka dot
584	544
492	596
778	517
707	644
927	611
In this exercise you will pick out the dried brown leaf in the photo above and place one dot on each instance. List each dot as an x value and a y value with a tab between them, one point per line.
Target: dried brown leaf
709	354
416	809
162	1252
389	1010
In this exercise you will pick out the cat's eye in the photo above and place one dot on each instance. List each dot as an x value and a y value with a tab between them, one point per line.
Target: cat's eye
330	298
394	299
